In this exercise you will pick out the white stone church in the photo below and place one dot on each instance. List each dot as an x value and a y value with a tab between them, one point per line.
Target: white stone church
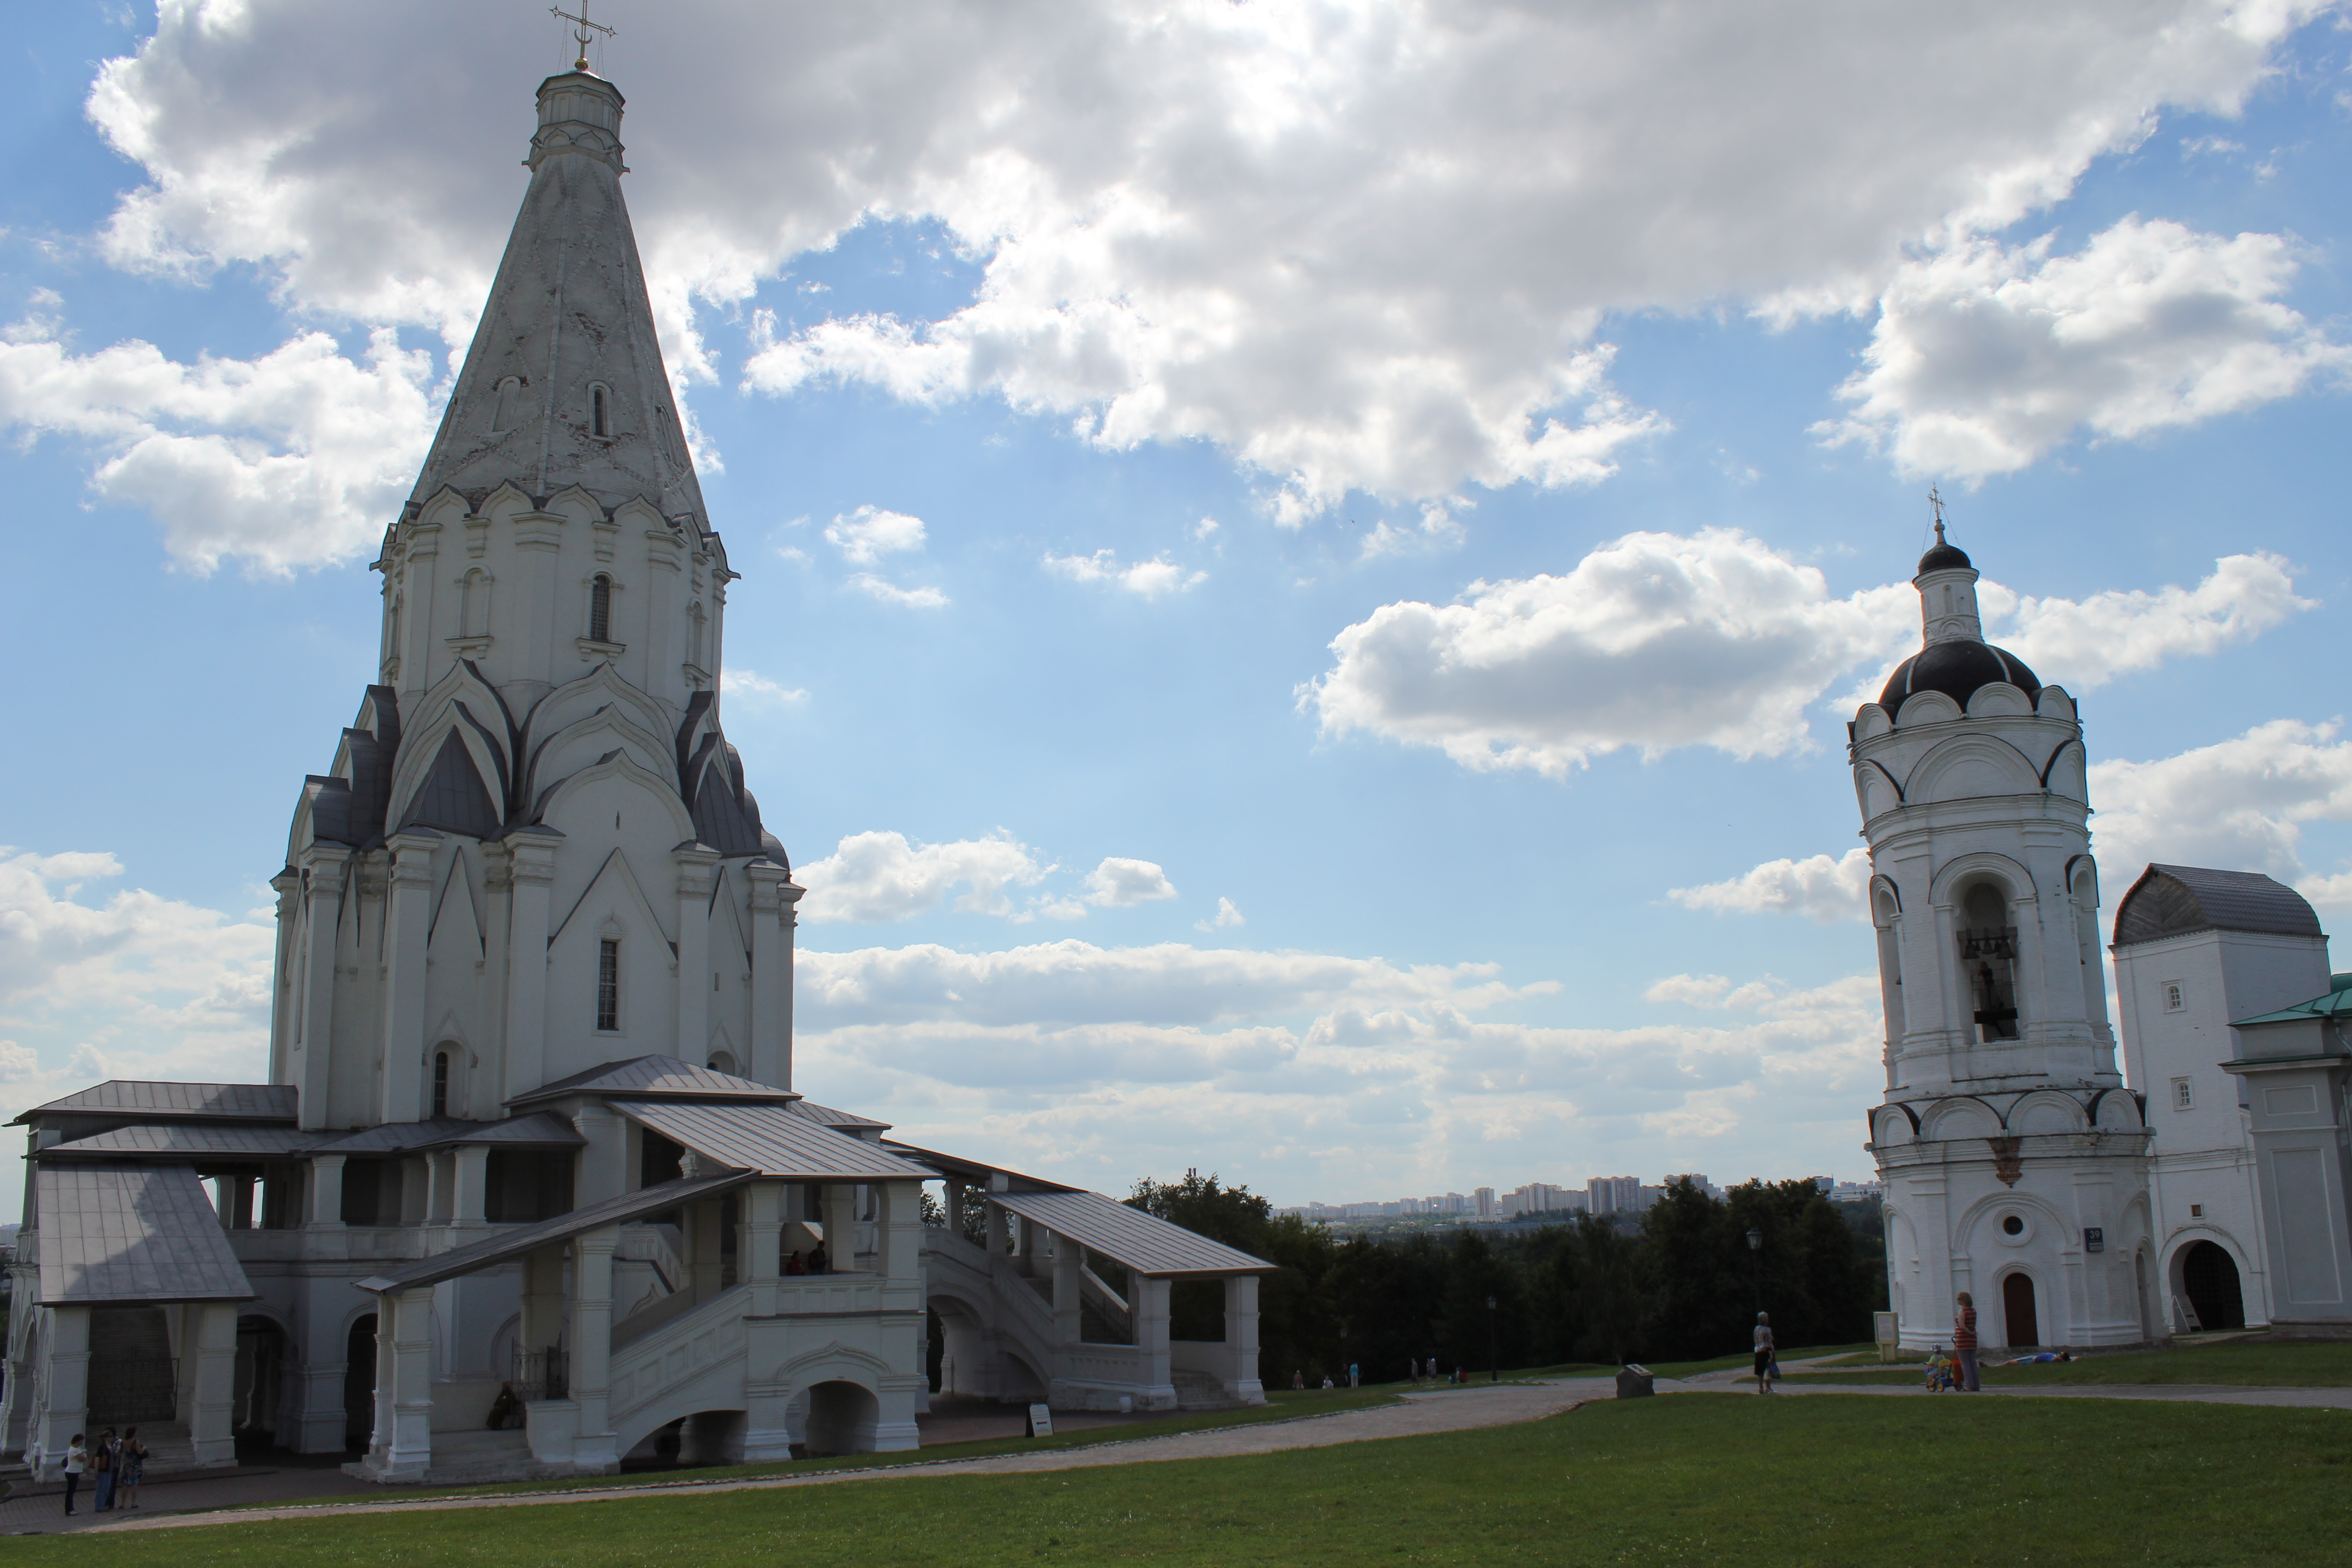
530	1122
2078	1205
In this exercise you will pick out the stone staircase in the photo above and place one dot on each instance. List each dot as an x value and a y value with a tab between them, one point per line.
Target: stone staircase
478	1455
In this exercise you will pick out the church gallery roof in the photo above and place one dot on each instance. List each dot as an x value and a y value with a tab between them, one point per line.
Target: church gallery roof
152	1102
655	1078
1957	668
769	1141
131	1233
1144	1243
2335	1005
2175	901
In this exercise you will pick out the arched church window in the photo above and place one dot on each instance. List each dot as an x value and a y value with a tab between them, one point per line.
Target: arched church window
608	985
600	608
440	1083
1989	961
2087	938
1885	913
510	392
600	421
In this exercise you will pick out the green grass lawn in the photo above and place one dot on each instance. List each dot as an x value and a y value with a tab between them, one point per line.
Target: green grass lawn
2244	1363
1671	1368
1694	1478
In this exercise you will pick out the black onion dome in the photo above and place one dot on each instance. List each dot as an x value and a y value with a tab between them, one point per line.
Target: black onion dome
1957	669
1942	557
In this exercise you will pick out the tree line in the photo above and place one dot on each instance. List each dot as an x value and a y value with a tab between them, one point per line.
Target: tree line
1682	1283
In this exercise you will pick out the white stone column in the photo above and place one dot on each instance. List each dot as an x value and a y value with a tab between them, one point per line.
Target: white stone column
602	1170
1147	1301
595	1449
773	896
899	1233
408	1384
1068	1316
759	1249
996	1239
537	537
421	549
407	924
704	1259
67	1386
695	865
1241	1380
530	861
839	1202
325	867
214	1386
283	1016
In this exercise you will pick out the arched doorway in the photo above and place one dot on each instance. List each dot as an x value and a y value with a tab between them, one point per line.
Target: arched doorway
2209	1277
261	1377
841	1419
359	1385
2017	1311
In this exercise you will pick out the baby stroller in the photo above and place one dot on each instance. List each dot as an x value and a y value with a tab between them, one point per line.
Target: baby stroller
1942	1370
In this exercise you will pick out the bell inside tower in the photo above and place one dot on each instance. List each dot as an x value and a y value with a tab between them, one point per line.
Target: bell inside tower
1989	959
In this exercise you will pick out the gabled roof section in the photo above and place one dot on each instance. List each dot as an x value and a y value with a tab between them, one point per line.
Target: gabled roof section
2336	1004
770	1140
189	1140
2176	900
131	1233
649	1077
398	1137
1145	1244
567	316
539	1130
163	1101
452	797
975	1171
839	1120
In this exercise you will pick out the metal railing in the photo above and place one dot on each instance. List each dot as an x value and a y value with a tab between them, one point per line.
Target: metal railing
542	1374
124	1390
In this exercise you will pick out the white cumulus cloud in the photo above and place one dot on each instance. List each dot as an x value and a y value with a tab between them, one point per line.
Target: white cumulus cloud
873	877
1357	246
295	459
1987	356
745	685
2083	645
1145	579
1225	919
2240	804
1119	883
1817	887
889	592
869	533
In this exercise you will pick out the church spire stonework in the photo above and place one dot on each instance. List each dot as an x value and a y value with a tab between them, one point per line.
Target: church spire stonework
564	382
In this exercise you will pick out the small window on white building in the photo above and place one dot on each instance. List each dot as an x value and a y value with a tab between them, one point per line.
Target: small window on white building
608	985
2173	999
2184	1094
600	608
2196	1211
600	417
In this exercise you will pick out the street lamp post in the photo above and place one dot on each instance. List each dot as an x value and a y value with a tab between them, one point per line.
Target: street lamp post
1491	1373
1756	1255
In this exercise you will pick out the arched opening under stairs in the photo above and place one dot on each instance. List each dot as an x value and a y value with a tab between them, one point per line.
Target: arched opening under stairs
841	1419
2024	1325
358	1384
2208	1279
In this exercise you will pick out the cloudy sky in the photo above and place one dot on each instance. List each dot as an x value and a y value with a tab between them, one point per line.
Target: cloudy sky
1304	563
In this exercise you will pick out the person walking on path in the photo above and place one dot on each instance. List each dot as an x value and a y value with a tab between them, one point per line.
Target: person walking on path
77	1461
1763	1352
130	1464
1964	1342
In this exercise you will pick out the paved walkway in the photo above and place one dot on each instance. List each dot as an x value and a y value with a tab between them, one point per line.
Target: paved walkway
1418	1414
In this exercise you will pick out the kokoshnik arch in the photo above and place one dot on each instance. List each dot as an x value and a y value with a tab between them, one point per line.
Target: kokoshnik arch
530	1123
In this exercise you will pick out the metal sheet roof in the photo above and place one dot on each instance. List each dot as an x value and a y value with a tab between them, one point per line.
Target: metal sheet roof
189	1140
2174	901
131	1233
137	1096
975	1171
399	1137
1144	1244
662	1078
539	1130
562	1228
825	1116
769	1139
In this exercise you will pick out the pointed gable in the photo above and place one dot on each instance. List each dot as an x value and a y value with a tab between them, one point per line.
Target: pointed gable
453	797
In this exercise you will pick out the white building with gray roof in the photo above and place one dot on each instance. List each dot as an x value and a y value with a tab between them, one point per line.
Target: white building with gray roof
530	1125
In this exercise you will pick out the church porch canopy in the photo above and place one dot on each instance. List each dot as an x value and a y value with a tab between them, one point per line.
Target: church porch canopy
1128	1235
769	1141
142	1233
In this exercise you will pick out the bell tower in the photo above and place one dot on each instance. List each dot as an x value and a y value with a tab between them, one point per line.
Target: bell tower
2012	1155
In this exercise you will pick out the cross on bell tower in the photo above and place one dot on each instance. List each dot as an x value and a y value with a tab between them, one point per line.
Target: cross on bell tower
586	27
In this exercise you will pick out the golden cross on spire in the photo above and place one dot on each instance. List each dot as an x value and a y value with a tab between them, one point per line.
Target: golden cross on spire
1933	499
585	26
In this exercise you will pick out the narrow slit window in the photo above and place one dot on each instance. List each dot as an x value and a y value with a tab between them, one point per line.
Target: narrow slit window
597	422
608	985
503	416
600	609
440	1083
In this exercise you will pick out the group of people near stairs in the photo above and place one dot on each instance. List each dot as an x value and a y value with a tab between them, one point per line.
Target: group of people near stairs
112	1463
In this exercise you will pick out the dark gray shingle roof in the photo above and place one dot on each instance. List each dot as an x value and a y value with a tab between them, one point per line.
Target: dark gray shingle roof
136	1097
1145	1244
2175	901
131	1233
